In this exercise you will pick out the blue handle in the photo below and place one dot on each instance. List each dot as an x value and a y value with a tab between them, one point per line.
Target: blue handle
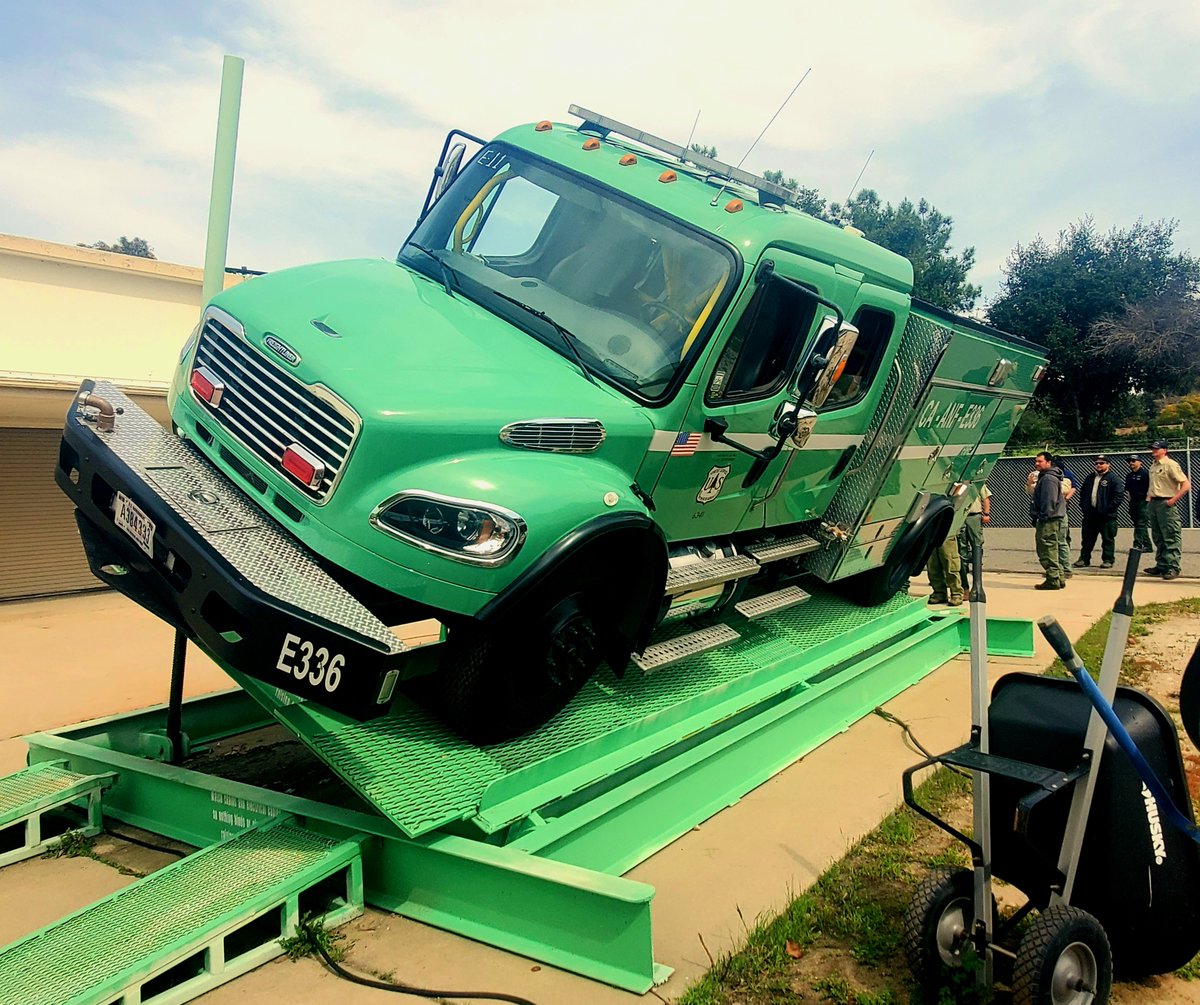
1165	803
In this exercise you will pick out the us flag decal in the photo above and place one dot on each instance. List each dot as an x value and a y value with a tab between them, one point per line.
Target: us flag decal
685	444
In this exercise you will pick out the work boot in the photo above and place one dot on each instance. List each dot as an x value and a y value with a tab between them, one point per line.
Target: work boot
1106	565
1170	574
937	598
1047	585
1068	573
1154	570
955	600
1081	564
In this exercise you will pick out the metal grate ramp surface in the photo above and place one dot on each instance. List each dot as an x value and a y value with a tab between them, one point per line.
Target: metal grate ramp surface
27	794
422	776
187	928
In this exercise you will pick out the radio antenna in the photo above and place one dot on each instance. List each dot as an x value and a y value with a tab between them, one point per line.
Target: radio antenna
854	187
688	146
764	130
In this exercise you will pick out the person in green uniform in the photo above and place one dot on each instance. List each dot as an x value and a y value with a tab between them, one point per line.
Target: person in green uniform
943	571
1168	484
978	515
1048	511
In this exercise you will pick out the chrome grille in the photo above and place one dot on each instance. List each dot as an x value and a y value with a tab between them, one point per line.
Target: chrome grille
559	436
266	409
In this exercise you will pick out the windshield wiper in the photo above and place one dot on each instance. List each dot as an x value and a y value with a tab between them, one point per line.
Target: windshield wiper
448	279
568	339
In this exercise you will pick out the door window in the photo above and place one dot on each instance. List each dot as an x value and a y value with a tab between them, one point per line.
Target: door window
761	351
874	330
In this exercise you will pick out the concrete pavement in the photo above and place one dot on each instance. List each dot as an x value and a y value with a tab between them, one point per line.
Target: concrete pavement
83	657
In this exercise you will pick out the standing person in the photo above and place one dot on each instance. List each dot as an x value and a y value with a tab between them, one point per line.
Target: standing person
1048	509
943	570
1137	488
1070	486
1100	495
979	514
1168	484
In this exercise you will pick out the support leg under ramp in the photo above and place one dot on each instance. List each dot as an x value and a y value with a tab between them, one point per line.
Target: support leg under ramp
27	796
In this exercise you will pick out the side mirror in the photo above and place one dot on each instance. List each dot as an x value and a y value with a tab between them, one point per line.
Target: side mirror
837	355
447	171
816	376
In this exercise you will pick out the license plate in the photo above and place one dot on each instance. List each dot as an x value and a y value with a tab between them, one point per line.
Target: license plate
130	518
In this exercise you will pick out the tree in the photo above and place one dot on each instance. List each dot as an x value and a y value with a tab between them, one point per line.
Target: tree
921	233
704	151
1086	299
135	246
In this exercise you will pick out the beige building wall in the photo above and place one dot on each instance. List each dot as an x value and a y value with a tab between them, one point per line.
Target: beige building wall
67	313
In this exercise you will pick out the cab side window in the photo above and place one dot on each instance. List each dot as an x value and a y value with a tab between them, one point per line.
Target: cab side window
874	330
762	349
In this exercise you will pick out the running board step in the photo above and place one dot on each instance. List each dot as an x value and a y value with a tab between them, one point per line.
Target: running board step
783	547
711	572
28	794
770	603
675	650
196	924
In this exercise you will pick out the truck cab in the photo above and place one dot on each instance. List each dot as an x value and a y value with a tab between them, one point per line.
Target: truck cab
607	383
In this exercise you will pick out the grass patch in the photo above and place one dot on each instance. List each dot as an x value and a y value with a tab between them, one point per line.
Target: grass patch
311	936
1090	645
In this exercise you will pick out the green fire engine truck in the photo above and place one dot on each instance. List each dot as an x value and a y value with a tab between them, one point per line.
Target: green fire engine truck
607	383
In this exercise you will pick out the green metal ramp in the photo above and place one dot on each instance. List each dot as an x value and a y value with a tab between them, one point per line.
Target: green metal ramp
29	794
191	926
423	777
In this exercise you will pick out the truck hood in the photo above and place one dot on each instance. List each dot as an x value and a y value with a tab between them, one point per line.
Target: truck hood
404	354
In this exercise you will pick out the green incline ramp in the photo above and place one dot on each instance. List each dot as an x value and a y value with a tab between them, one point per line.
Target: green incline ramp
189	927
27	794
422	776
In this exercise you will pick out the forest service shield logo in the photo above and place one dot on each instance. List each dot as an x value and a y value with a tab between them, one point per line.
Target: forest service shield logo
712	484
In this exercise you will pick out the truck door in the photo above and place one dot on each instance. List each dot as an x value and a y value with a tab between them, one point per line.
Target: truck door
702	490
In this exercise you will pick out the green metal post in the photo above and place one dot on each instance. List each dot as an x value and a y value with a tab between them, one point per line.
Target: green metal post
221	200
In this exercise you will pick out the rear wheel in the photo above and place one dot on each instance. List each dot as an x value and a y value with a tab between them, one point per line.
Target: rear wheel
1064	959
496	684
907	558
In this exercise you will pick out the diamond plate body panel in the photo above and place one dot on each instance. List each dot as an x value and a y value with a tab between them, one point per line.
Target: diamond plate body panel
62	963
422	776
32	785
246	536
921	347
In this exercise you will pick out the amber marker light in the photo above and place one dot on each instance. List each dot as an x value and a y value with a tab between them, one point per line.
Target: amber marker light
733	206
667	177
543	127
591	144
628	159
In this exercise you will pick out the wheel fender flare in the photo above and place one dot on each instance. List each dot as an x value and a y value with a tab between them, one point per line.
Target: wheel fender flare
620	555
917	536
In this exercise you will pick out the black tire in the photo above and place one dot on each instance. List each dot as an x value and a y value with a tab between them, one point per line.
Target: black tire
907	558
496	685
937	927
1063	959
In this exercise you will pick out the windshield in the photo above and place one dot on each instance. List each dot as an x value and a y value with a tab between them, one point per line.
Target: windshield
632	291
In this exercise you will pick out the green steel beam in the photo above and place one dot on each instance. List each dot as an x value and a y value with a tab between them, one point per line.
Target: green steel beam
1006	636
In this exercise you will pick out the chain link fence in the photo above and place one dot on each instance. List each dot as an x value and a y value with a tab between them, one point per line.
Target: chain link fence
1010	504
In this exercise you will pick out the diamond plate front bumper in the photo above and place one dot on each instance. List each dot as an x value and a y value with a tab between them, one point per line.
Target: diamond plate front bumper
221	568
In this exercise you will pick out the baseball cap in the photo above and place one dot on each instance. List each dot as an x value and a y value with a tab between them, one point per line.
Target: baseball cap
1159	445
1101	459
1135	457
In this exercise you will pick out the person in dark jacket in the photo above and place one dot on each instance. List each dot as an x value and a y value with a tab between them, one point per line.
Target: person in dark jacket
1137	487
1048	510
1100	496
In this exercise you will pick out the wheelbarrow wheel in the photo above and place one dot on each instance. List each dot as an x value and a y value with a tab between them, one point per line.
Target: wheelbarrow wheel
1063	959
937	927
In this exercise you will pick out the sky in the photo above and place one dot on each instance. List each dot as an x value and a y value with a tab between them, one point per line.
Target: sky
1015	119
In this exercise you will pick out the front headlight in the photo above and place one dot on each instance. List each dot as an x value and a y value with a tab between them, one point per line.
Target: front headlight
467	531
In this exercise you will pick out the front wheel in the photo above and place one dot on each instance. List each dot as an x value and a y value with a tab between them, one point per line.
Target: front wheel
496	684
938	926
1064	959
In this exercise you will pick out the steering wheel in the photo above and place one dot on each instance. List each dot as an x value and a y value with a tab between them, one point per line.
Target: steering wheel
651	309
